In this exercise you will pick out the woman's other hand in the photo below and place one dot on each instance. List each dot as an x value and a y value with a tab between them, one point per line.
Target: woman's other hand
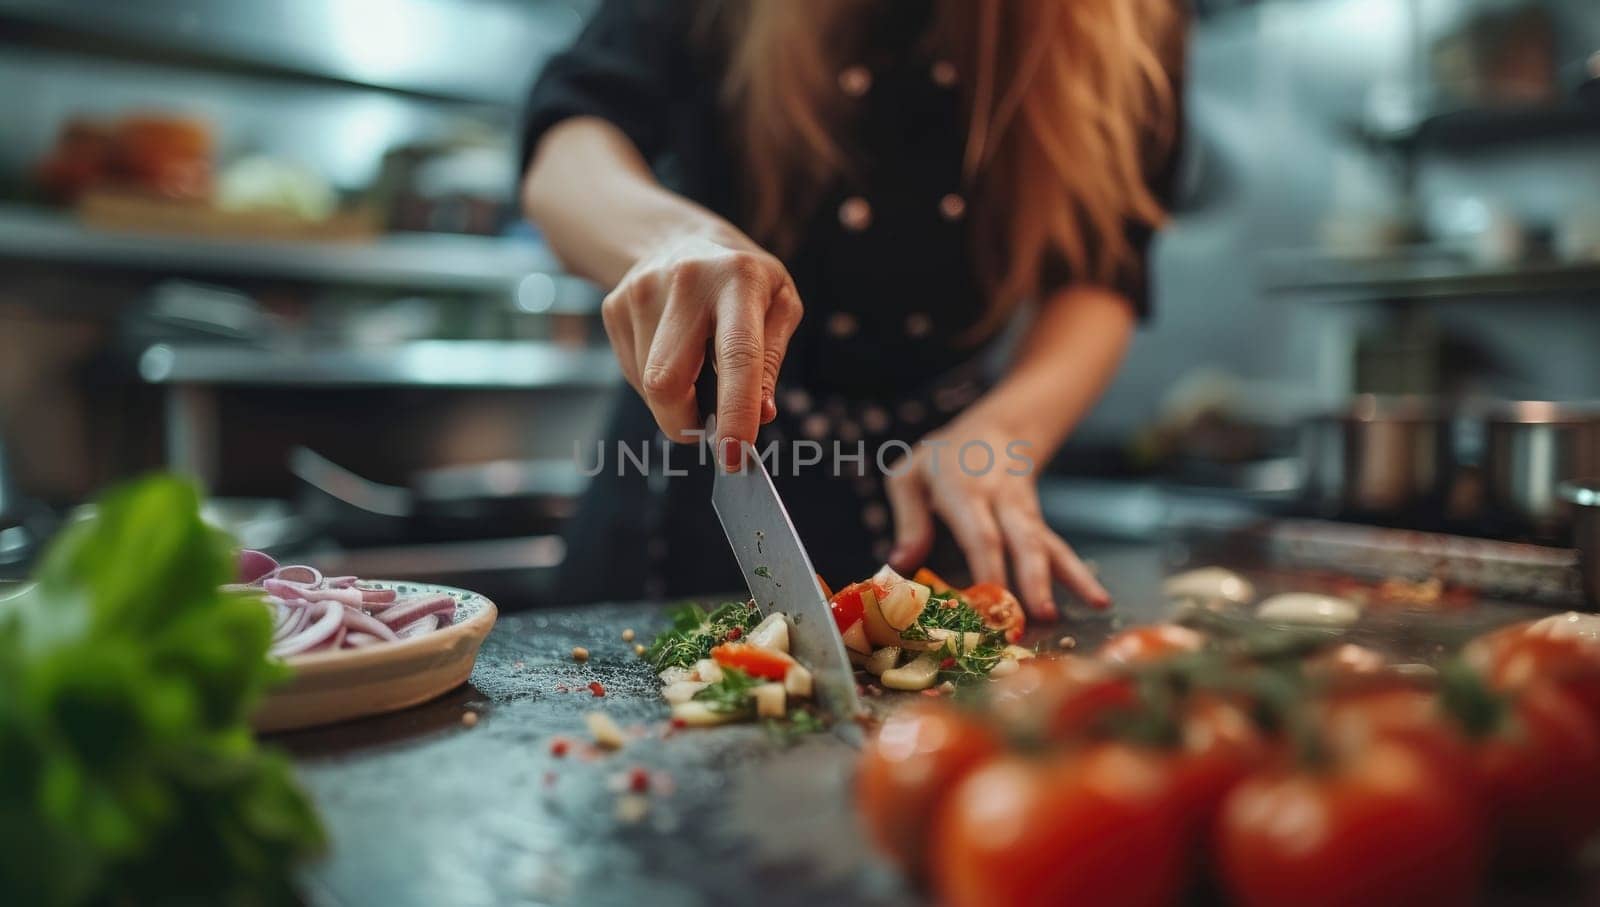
690	290
984	486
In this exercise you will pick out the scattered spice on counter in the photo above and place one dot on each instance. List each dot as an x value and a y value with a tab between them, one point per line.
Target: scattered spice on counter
563	688
580	654
632	808
518	664
639	649
1067	643
638	780
559	747
597	688
606	734
469	719
627	635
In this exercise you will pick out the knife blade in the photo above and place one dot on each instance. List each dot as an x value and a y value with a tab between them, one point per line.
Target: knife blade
780	577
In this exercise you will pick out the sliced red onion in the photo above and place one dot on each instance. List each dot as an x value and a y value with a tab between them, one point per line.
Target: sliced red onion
329	621
355	639
378	596
253	565
407	610
427	623
366	623
311	593
336	641
340	582
298	573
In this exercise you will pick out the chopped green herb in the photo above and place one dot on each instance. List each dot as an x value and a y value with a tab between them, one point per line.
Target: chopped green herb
763	571
945	611
694	633
733	694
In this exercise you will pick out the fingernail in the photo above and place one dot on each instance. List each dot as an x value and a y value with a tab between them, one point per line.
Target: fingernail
732	454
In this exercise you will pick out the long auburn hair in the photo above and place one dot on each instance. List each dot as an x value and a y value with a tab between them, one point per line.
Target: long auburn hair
1069	102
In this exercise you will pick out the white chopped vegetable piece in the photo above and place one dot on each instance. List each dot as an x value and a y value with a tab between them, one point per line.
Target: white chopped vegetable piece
1005	667
697	714
1208	584
1019	652
901	601
883	659
682	691
797	682
1309	608
605	732
707	670
772	633
957	643
771	701
675	674
918	675
855	638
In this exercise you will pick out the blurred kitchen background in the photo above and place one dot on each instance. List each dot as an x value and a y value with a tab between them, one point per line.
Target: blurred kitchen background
273	243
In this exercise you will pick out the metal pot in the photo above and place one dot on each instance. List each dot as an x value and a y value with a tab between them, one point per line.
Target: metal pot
1380	455
1584	498
1531	448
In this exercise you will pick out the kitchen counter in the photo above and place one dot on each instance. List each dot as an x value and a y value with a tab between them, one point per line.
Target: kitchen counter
424	809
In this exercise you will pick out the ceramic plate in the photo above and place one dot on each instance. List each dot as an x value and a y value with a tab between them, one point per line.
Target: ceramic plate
385	677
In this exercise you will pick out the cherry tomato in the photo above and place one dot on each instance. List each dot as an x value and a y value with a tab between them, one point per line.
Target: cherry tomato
1537	775
753	660
999	609
1219	745
908	770
1153	643
1397	711
847	606
1060	698
1563	649
1099	826
1380	828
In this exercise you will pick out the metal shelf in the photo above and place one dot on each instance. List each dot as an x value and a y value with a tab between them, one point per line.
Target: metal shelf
1470	128
1402	278
479	364
422	261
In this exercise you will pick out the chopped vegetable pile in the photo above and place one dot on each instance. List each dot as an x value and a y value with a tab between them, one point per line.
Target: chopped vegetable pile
314	613
732	664
916	633
127	674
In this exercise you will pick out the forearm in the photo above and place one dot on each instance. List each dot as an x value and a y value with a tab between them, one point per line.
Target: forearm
1071	352
600	207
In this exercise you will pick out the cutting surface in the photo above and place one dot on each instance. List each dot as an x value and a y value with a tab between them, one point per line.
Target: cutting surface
424	810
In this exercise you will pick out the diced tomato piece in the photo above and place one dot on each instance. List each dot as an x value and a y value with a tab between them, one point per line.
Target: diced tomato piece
847	606
998	607
753	660
932	580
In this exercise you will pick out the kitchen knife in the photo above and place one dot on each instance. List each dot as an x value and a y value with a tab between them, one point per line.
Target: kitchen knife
780	577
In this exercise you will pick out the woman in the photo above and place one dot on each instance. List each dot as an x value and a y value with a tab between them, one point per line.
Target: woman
862	195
